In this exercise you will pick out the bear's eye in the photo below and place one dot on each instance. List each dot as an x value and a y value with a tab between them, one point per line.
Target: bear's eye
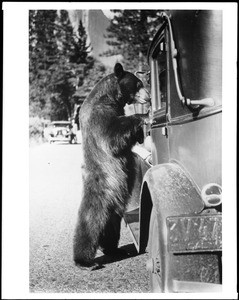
139	84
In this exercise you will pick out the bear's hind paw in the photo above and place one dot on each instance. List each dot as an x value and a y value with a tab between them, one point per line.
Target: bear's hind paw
93	267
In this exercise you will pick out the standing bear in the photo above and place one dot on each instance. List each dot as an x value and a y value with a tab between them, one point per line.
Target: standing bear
109	166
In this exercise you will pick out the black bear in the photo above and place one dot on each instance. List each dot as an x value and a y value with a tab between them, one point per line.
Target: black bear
108	170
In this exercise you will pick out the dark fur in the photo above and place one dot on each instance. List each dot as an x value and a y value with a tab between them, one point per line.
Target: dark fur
108	171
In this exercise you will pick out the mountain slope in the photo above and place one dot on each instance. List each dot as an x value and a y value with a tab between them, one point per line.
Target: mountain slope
95	23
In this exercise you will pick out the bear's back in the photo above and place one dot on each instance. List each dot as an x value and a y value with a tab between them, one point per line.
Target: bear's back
108	86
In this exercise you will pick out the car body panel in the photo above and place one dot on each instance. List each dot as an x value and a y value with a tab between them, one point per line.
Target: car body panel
197	146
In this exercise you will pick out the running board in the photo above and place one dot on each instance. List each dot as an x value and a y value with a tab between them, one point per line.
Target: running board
195	287
131	219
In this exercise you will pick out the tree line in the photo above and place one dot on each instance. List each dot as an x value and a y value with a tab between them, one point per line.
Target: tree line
61	69
59	61
130	34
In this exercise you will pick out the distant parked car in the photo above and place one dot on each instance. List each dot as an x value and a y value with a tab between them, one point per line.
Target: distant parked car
59	131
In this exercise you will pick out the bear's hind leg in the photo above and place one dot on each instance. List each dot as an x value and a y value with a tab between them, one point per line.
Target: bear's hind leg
84	247
86	237
110	236
109	239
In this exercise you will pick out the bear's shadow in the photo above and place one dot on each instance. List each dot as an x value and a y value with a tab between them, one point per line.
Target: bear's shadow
129	251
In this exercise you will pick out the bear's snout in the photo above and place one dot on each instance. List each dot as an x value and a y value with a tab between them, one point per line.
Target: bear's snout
142	96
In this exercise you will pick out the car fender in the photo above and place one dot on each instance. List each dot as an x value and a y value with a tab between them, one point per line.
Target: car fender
169	190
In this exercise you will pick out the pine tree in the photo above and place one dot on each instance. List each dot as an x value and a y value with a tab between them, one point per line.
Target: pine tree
70	70
42	54
81	50
130	34
64	34
59	62
43	41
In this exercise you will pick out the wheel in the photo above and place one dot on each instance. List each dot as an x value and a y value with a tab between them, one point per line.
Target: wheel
154	264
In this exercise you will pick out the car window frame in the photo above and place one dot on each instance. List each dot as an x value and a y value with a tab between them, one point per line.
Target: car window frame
160	110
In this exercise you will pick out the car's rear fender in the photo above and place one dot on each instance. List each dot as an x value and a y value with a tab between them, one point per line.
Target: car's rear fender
170	191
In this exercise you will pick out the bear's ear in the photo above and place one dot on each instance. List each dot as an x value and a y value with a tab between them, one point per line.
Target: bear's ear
118	70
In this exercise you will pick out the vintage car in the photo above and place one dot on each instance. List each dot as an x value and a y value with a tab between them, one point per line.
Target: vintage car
175	211
59	131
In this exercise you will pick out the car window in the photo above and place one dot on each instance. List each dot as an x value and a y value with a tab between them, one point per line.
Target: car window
159	74
162	72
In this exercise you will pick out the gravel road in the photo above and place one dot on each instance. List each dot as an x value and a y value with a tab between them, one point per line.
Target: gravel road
55	193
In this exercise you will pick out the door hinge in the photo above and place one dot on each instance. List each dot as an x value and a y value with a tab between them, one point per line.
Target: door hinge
165	131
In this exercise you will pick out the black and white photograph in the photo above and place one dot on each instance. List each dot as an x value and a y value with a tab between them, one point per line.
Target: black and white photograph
119	136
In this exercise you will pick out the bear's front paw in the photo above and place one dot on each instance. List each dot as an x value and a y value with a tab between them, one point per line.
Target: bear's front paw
140	135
